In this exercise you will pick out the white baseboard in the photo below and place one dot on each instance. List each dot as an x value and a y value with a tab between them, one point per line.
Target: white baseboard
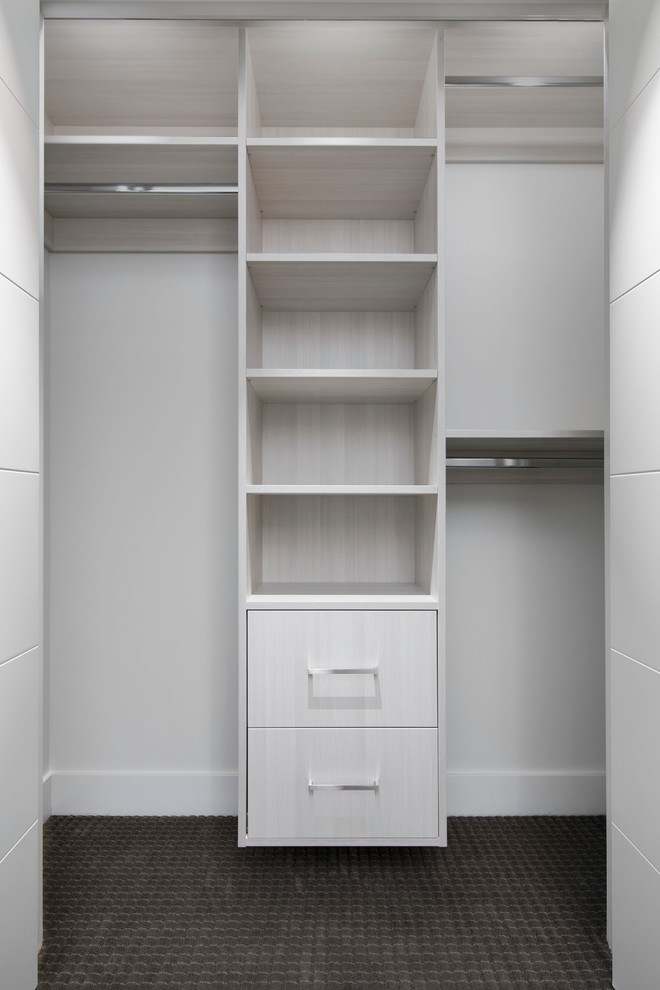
207	793
545	793
143	793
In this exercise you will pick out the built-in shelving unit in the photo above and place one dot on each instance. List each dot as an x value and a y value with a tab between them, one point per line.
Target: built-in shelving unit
525	456
343	482
141	134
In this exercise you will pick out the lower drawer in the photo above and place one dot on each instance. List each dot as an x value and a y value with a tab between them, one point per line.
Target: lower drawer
342	783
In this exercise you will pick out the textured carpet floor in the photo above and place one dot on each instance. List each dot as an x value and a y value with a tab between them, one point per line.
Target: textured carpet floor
512	903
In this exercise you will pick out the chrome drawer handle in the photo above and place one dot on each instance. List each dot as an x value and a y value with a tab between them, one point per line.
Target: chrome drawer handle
343	670
343	787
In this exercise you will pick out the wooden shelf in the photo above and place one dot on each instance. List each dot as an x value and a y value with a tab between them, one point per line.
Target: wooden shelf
341	181
319	593
342	489
155	159
321	385
340	281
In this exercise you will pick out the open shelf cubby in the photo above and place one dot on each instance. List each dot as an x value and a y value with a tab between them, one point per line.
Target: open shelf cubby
342	78
349	316
306	546
343	443
342	198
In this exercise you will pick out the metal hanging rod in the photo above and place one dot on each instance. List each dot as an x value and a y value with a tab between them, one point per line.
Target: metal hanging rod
522	82
130	187
525	462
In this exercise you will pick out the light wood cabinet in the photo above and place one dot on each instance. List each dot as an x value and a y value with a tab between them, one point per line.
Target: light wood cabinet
342	482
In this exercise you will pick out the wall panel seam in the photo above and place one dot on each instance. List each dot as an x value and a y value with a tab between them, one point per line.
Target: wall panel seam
18	286
18	656
18	842
635	286
636	848
14	97
625	656
634	100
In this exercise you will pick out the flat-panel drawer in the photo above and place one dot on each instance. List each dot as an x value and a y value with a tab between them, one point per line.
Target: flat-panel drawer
342	668
342	783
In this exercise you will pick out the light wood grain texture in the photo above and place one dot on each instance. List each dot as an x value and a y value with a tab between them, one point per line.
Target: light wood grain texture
317	236
426	119
489	48
426	217
284	646
283	761
251	97
340	594
339	538
427	316
338	443
253	217
533	145
254	326
324	282
118	72
317	385
340	489
338	340
254	437
157	235
340	75
141	206
340	180
426	437
140	159
525	107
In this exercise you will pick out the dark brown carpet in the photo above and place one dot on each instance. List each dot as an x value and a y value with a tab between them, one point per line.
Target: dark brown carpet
512	903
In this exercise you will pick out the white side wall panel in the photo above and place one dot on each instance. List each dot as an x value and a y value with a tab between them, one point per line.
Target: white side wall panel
19	45
635	913
19	195
635	378
635	567
19	900
635	193
20	712
19	379
635	766
634	42
19	564
525	292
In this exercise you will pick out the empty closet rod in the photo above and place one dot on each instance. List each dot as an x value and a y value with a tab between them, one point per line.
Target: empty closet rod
524	82
525	462
129	187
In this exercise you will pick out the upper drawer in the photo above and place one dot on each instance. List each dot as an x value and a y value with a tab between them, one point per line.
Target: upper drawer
343	668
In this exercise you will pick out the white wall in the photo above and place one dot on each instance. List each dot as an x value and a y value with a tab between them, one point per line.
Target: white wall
142	577
525	314
525	599
634	492
143	547
20	671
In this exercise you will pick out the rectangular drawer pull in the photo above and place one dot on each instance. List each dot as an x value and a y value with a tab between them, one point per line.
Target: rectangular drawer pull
342	670
343	787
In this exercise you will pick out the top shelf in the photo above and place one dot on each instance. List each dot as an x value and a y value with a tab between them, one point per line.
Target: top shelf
326	79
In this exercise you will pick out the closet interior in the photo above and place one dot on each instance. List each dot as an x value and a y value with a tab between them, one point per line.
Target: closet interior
416	309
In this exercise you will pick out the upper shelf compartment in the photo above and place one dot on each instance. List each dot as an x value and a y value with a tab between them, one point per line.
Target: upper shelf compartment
343	198
328	79
141	77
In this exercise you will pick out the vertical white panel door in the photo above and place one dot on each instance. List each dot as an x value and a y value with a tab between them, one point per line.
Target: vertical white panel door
20	621
634	526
